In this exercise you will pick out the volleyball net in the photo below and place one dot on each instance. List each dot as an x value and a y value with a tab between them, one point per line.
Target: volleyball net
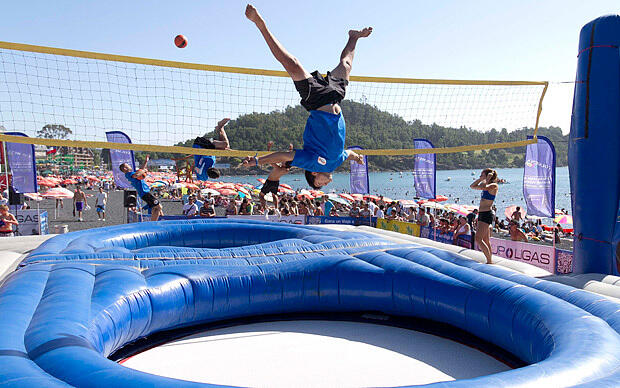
62	97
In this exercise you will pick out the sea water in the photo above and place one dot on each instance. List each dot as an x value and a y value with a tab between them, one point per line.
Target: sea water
454	184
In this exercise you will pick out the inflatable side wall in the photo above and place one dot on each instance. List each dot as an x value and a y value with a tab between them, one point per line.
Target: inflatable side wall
594	148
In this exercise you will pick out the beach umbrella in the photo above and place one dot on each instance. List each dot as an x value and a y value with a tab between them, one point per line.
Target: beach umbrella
44	182
304	194
357	197
564	219
432	205
439	198
261	180
336	198
191	186
209	191
177	185
285	190
68	181
511	209
34	196
93	178
227	192
407	202
58	193
156	185
460	209
347	197
243	190
285	186
373	197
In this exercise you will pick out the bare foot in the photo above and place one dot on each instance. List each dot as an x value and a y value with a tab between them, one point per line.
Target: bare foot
356	34
222	122
252	14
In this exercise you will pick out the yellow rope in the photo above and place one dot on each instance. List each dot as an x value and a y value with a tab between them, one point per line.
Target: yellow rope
242	70
241	153
239	70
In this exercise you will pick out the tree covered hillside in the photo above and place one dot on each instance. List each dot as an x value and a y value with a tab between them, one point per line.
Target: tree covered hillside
370	127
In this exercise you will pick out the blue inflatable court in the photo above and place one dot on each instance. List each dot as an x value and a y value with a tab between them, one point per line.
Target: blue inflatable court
82	296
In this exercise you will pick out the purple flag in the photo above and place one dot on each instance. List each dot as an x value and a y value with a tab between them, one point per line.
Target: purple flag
118	157
539	178
360	183
424	170
23	165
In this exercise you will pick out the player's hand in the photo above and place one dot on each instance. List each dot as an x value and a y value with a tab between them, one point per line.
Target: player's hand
358	158
248	161
222	122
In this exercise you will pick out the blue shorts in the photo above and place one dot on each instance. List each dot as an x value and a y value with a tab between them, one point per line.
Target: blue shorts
100	208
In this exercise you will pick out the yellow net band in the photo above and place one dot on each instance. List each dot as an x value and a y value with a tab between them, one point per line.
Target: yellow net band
241	153
242	70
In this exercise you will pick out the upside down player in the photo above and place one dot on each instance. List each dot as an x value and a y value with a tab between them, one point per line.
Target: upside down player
324	136
136	178
203	164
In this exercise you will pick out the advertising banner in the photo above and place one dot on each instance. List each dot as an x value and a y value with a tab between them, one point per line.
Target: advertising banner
424	171
436	234
118	157
30	221
408	228
539	178
22	164
316	220
563	261
360	184
298	220
540	256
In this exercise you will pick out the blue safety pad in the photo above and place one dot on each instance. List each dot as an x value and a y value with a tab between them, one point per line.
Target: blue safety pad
80	297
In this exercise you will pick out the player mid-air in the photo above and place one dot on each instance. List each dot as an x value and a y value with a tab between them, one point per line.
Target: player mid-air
324	136
136	178
203	164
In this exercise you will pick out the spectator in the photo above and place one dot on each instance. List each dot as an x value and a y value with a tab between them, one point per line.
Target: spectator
3	199
327	205
516	215
79	202
365	212
516	234
231	208
444	226
355	210
423	218
207	209
380	213
463	229
246	207
100	202
7	220
190	209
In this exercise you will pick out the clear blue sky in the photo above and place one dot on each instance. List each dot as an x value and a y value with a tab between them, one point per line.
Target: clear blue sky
512	40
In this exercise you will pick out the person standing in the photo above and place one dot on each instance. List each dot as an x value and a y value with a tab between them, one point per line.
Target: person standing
487	183
100	202
79	202
7	220
190	209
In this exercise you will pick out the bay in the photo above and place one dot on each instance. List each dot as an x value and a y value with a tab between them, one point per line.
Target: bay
454	184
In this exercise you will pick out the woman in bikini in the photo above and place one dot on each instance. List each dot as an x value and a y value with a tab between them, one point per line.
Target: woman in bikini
488	184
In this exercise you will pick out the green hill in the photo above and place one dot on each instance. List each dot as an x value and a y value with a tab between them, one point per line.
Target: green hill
370	127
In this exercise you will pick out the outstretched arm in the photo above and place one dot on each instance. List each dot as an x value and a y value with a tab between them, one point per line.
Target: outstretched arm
275	157
290	63
146	161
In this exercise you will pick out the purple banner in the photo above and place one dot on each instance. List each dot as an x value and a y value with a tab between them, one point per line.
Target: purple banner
118	157
616	244
360	183
424	171
23	165
539	178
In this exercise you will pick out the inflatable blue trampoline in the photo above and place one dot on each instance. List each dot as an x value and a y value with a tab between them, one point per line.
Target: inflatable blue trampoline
81	297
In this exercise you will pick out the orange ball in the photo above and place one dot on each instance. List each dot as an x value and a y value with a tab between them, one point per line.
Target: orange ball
180	41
